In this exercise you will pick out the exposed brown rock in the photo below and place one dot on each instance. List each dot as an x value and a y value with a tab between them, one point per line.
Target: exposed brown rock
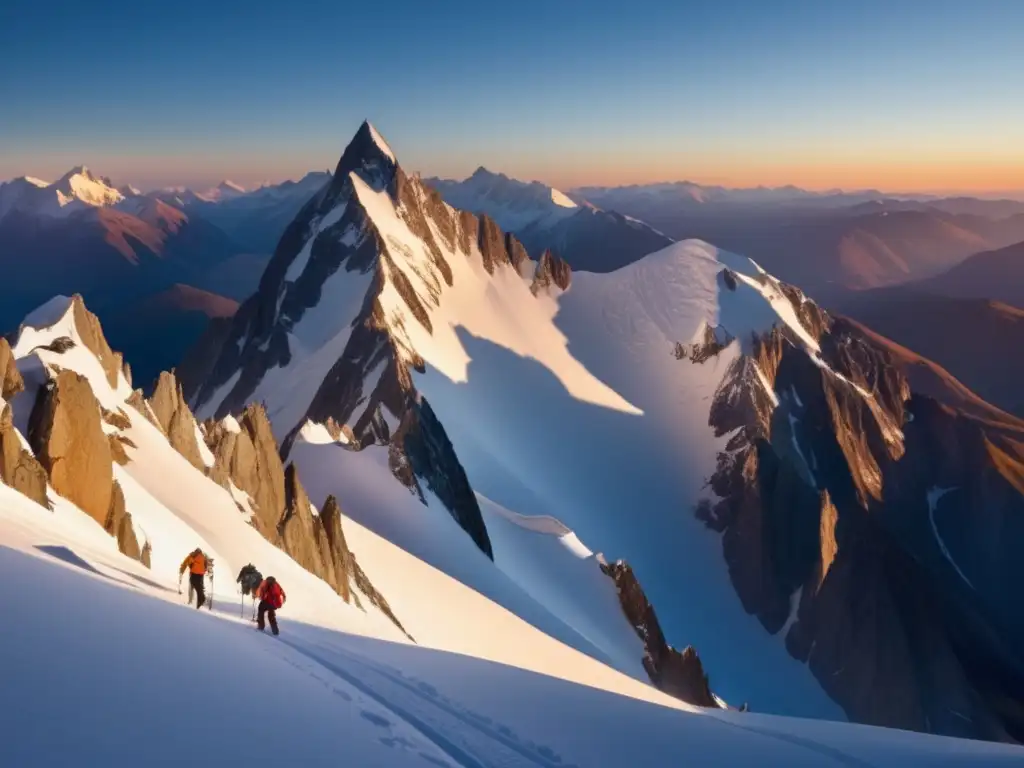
827	536
492	244
58	346
117	452
551	271
677	674
91	333
516	252
66	434
885	622
10	378
116	418
346	566
18	467
137	400
298	536
249	458
336	548
119	525
176	420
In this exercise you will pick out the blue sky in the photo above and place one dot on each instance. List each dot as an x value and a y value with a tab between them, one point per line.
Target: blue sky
906	94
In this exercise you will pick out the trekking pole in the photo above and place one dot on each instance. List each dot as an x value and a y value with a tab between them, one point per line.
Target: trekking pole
211	591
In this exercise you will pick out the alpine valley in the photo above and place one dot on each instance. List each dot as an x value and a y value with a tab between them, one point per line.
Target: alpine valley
545	487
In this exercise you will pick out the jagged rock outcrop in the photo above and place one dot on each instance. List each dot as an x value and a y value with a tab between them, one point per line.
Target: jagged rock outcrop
18	467
517	255
420	450
89	330
66	434
679	674
246	454
117	448
346	566
67	437
551	271
175	419
119	525
10	378
137	400
828	496
298	532
710	343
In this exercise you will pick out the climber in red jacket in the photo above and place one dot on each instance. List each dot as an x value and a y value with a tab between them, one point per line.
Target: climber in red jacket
271	598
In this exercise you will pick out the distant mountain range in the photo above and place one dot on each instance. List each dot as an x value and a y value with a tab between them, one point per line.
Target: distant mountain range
254	219
542	218
124	252
997	274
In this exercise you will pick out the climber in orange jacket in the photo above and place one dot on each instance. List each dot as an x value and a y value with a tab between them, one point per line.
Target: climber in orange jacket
196	563
271	598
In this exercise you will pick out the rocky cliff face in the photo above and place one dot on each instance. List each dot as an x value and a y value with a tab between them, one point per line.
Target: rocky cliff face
18	467
245	454
552	272
10	380
860	519
679	674
66	434
368	388
175	419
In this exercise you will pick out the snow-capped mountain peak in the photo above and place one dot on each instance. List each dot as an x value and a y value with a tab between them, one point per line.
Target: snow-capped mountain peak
513	204
227	187
77	190
81	186
382	145
542	217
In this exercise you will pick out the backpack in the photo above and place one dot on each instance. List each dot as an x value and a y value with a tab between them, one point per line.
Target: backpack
272	592
249	578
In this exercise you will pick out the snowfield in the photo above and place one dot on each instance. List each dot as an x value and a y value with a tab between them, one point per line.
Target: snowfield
627	480
106	666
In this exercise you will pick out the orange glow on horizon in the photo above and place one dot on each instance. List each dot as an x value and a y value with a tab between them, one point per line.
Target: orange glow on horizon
894	177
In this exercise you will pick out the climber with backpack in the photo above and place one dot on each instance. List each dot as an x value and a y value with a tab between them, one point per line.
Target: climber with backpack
249	580
197	564
271	598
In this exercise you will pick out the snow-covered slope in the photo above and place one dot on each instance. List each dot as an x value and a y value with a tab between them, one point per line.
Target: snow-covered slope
688	413
103	650
174	507
626	480
562	404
